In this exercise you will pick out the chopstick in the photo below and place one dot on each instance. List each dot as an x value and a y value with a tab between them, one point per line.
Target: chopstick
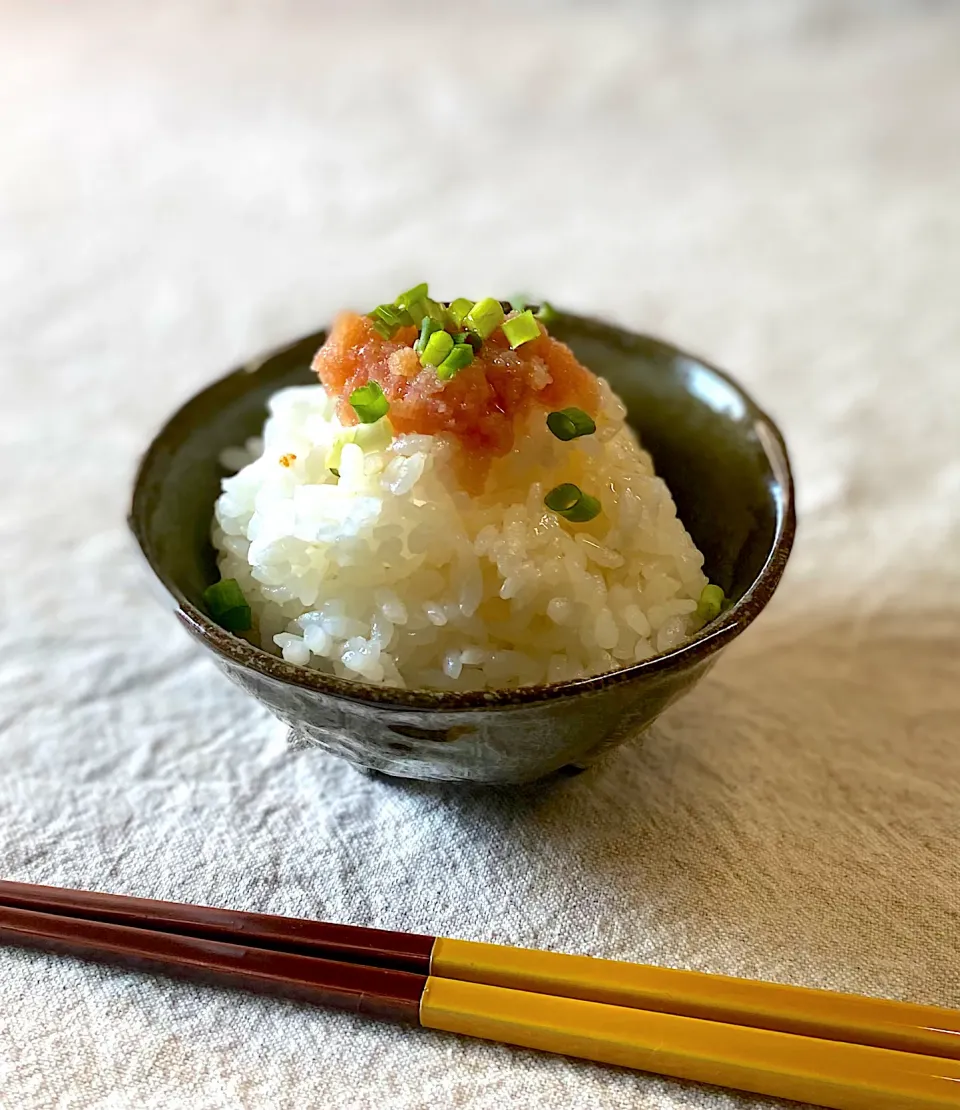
841	1075
375	991
828	1015
834	1074
352	943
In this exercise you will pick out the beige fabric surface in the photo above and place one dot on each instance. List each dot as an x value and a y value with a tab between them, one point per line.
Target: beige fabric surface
773	185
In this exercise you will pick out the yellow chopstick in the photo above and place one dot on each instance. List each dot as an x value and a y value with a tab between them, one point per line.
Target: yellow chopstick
830	1073
900	1026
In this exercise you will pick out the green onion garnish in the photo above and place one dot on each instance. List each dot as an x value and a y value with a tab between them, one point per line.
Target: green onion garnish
519	303
388	317
711	603
418	304
570	424
547	312
391	313
426	306
429	308
417	293
369	403
460	357
438	346
427	328
468	339
417	309
437	312
227	605
485	317
521	329
459	309
570	502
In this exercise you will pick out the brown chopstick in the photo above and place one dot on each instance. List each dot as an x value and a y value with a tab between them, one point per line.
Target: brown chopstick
375	991
345	943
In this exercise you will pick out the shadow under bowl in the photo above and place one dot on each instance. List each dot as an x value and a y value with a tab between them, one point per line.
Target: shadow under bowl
723	459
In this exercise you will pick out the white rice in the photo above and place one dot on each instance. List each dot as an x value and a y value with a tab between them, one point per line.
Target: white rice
394	575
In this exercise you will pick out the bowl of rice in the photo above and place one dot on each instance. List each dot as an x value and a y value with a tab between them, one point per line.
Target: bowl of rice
471	540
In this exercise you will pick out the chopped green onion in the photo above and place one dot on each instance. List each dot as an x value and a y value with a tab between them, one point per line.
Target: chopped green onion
332	459
388	317
460	357
391	313
570	424
468	339
438	346
521	329
485	317
437	312
459	309
416	302
428	307
369	437
547	312
417	309
417	293
227	605
225	594
519	303
369	403
427	328
711	603
570	502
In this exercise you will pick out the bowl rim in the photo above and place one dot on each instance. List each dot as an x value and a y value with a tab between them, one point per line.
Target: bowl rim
239	652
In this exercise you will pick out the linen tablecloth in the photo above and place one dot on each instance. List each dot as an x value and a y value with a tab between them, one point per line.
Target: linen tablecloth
772	185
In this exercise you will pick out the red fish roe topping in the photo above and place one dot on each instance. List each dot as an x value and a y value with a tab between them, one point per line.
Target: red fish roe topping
480	406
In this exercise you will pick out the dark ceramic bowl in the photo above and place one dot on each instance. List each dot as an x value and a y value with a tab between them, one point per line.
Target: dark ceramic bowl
723	459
